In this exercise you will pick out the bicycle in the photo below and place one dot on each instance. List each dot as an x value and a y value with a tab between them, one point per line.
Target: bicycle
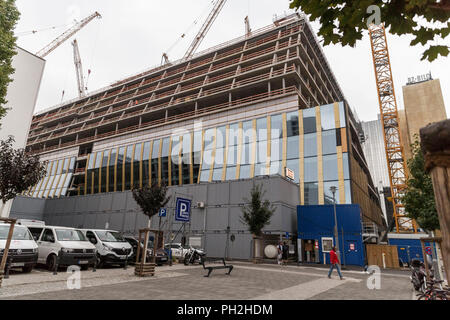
432	292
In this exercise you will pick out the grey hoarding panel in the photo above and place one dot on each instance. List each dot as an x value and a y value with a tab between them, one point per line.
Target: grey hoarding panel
215	245
241	247
101	220
116	220
235	219
105	203
218	193
89	220
81	204
217	219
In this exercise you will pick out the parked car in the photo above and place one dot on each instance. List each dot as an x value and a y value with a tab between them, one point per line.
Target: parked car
178	251
112	248
63	246
23	250
161	255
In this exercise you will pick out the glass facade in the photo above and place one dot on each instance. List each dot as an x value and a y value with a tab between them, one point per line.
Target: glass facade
57	179
244	149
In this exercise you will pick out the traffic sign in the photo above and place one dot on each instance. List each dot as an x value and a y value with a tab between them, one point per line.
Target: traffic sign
428	250
183	210
162	212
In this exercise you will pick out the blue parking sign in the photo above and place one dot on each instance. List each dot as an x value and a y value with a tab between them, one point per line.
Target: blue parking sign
183	210
162	212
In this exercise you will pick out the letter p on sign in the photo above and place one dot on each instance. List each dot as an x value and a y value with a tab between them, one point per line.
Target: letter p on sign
183	210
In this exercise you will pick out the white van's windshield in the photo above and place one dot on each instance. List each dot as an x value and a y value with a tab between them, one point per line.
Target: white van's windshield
69	235
110	236
19	233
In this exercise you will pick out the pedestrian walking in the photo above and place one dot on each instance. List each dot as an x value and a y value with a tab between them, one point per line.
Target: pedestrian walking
285	253
280	252
334	263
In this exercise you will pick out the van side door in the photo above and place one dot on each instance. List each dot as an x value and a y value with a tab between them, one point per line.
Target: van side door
47	244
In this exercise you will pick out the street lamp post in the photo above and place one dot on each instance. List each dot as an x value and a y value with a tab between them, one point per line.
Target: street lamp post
336	234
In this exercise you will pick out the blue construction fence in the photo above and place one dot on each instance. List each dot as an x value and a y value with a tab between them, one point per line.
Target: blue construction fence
409	249
316	233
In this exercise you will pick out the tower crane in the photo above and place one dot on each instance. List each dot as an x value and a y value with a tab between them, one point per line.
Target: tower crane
204	29
390	124
78	69
66	35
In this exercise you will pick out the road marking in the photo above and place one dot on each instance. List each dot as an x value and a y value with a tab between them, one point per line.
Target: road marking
295	272
302	291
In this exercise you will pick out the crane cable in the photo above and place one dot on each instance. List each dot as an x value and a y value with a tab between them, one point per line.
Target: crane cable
30	32
207	9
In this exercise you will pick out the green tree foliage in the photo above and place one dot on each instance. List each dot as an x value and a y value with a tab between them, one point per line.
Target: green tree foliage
343	21
18	170
9	15
419	196
257	214
151	198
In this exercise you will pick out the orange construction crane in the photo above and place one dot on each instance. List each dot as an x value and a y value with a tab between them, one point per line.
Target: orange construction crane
390	123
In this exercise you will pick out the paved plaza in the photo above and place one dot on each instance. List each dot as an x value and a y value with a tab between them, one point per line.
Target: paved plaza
247	282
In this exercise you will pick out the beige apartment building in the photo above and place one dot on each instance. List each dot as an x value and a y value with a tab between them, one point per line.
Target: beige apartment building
424	104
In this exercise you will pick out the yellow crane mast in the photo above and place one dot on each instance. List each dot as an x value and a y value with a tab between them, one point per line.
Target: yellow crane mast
390	124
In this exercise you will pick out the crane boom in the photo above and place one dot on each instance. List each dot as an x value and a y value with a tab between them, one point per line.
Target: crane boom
390	124
204	29
78	69
66	35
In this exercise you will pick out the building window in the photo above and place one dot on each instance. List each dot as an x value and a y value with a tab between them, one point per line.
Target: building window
112	163
128	164
104	169
119	176
311	193
330	167
310	144
197	154
292	124
186	160
174	160
145	163
327	117
346	165
165	161
292	151
310	169
293	164
155	161
327	192
342	114
328	141
137	165
309	120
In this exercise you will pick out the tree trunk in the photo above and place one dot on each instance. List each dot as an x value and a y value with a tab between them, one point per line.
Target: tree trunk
435	143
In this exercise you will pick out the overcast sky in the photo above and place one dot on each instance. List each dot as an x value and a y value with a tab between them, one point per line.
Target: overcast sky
133	34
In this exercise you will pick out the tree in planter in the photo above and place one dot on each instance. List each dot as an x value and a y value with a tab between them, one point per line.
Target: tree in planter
419	198
151	199
257	214
18	171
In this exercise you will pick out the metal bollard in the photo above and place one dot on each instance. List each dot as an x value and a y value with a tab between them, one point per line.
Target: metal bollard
55	270
8	267
94	269
126	263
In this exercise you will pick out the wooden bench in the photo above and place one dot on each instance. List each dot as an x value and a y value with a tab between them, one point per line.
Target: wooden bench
211	268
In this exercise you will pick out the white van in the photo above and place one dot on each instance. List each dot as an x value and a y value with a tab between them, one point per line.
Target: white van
65	246
111	247
23	250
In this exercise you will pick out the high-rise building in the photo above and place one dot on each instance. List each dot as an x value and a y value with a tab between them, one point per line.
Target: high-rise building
375	153
424	104
261	105
27	77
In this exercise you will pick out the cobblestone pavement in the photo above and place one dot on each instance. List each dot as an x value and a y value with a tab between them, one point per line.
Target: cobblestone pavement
247	281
